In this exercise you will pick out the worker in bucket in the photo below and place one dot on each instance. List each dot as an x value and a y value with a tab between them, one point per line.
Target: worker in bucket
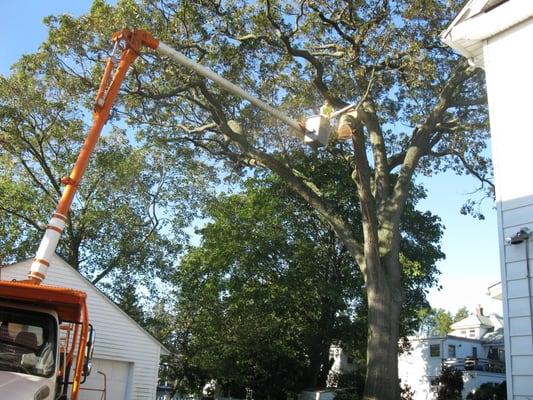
327	109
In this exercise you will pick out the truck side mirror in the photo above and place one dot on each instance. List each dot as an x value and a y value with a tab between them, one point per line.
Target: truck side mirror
90	342
87	366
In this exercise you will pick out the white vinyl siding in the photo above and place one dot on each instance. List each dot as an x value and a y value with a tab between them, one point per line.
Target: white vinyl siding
508	65
417	368
505	33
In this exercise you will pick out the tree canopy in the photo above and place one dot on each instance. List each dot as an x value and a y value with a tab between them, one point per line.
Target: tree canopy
438	322
270	287
116	227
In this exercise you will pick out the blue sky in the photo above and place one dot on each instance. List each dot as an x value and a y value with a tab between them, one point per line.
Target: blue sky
471	246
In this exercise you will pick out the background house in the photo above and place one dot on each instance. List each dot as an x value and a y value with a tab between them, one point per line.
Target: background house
341	363
124	351
496	35
475	346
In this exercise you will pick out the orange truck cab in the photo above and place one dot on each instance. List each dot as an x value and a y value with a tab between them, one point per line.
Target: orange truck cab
46	341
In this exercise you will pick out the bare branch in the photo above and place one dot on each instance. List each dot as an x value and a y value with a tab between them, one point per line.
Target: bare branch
334	25
306	55
470	168
23	217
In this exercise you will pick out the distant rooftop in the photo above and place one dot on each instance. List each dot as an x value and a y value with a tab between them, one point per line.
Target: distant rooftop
473	320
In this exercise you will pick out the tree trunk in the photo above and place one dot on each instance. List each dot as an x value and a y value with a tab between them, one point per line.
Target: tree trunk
384	306
319	354
318	361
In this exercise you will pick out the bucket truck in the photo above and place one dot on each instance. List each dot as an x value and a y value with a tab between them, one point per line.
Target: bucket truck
46	340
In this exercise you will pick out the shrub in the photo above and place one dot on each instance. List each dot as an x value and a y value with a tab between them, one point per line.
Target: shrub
490	391
346	395
450	384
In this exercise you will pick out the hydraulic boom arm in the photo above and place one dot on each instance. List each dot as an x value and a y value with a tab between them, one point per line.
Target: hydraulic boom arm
129	44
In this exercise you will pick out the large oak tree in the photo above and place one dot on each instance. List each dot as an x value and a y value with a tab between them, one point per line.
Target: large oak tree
270	286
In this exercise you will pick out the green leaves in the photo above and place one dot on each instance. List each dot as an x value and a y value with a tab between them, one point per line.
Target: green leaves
438	322
271	287
267	283
116	227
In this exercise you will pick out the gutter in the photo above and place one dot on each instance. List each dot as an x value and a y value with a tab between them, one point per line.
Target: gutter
488	24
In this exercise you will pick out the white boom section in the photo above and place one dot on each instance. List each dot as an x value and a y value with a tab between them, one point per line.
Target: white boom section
183	60
41	262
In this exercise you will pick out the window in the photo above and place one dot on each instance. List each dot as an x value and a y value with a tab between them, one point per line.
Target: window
27	342
472	333
434	350
451	351
474	352
463	333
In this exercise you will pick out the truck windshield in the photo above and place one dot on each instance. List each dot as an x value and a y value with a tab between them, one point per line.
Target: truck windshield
27	342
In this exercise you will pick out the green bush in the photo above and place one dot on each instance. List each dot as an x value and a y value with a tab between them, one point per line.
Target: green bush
489	391
450	384
346	395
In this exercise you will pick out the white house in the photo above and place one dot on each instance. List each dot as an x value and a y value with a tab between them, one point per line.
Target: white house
477	325
124	352
475	346
341	363
497	35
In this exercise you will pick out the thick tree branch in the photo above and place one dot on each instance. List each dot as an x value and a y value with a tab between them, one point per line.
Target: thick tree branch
379	151
23	217
306	55
304	188
421	138
361	176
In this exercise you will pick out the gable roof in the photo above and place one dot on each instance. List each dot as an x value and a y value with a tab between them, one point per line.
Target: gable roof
480	20
473	321
58	261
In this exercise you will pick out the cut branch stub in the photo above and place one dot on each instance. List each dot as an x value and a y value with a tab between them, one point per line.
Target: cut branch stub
347	125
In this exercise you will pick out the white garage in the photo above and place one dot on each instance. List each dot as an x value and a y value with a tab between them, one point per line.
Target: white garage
126	357
113	376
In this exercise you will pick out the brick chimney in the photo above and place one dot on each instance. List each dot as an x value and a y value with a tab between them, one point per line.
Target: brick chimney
479	310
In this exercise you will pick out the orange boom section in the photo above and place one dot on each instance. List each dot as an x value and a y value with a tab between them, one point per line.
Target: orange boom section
128	43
